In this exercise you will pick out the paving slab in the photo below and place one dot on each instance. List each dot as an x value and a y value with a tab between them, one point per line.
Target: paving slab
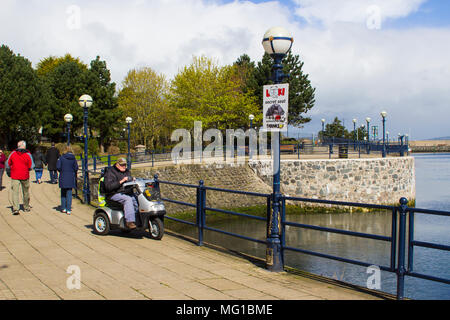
38	248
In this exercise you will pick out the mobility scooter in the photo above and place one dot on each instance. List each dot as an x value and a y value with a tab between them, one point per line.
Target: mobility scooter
109	214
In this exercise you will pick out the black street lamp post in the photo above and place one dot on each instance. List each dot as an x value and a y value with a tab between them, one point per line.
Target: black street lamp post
128	120
85	102
368	135
383	115
277	42
68	119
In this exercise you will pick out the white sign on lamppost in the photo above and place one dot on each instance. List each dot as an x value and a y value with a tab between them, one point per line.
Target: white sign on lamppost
275	107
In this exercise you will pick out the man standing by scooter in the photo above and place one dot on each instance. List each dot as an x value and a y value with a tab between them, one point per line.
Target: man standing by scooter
115	177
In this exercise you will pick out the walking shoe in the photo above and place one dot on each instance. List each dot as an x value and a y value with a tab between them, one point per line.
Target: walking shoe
131	225
27	210
15	212
64	211
68	212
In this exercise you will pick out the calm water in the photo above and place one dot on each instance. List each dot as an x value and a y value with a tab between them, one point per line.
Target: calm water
432	192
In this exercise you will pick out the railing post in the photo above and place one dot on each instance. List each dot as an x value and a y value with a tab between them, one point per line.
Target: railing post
401	249
283	228
200	211
156	182
109	160
153	158
410	241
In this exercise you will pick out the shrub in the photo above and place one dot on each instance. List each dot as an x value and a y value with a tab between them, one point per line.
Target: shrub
113	150
93	148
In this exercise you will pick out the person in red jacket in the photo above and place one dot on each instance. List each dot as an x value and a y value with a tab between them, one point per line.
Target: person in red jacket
20	162
2	167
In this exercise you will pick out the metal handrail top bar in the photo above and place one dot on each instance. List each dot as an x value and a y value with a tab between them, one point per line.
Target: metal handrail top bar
427	277
236	213
346	232
430	211
178	184
342	203
430	245
249	193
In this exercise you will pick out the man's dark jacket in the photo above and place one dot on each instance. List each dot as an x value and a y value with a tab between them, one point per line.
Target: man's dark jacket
51	157
112	180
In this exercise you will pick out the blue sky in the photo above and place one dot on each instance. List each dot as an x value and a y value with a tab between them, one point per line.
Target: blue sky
362	56
433	13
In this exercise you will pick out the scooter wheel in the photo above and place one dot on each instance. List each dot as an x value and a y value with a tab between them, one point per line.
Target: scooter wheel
101	224
156	228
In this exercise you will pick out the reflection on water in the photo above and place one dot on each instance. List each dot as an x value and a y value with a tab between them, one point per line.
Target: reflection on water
432	189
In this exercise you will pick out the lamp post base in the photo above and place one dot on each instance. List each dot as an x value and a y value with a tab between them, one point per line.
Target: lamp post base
274	258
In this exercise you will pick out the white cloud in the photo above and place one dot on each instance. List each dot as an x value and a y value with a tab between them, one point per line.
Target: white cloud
357	70
329	12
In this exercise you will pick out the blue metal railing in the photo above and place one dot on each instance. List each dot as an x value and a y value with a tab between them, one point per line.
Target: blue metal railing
401	257
201	209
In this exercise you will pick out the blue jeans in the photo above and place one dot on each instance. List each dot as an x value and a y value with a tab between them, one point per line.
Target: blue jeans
38	172
66	199
130	205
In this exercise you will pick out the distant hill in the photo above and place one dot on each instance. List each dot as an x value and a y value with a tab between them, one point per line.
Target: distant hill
442	138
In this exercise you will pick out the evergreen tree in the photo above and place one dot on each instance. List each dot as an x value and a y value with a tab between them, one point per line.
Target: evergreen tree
67	79
104	115
22	96
335	129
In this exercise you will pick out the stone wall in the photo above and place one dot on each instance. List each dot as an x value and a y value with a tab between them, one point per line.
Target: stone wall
377	180
227	176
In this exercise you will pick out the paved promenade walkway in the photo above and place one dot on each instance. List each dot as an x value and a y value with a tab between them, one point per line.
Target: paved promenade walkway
38	247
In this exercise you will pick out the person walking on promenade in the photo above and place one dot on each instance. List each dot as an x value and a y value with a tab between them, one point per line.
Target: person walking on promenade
2	167
51	158
39	162
20	162
67	166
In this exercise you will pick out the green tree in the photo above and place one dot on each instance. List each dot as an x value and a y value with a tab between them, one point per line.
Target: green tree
335	129
67	82
104	111
47	65
205	92
143	98
22	96
67	79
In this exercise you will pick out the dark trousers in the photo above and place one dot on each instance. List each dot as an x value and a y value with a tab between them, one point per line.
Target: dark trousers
1	177
53	176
